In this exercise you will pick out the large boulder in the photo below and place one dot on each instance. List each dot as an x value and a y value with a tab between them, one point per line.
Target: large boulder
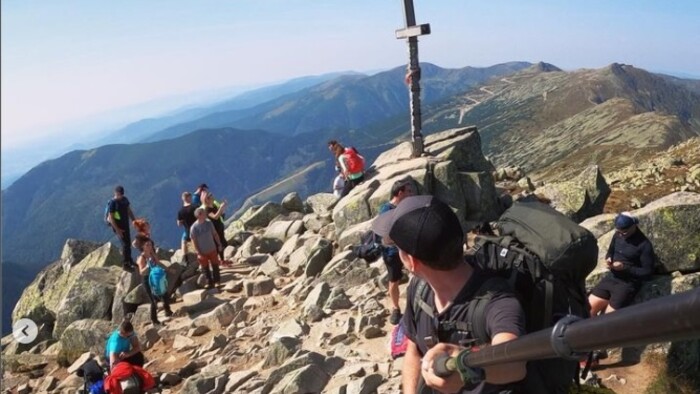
319	255
580	198
292	202
126	283
257	245
599	225
353	208
460	145
321	202
90	298
88	335
75	250
40	301
284	229
261	216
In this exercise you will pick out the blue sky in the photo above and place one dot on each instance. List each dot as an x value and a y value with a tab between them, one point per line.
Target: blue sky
69	60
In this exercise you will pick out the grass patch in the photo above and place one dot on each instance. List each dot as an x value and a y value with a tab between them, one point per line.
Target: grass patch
668	380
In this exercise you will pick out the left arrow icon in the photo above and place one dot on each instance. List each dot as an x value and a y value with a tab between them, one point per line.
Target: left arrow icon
25	331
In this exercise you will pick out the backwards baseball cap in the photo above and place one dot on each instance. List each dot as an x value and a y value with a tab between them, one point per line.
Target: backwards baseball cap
421	226
624	221
203	186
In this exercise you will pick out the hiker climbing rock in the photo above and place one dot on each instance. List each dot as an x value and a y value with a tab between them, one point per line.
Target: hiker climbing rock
119	215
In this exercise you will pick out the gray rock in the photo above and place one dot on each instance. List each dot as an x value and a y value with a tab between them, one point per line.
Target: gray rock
317	297
460	145
126	283
74	251
353	208
198	331
315	222
271	268
338	300
183	343
48	384
292	202
212	380
282	230
280	350
309	379
80	361
351	235
319	255
371	332
220	317
599	225
261	216
258	286
194	297
580	198
365	385
188	285
290	328
90	297
86	335
257	244
321	202
237	379
293	243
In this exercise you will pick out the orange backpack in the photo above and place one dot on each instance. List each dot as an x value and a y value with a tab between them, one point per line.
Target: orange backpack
355	162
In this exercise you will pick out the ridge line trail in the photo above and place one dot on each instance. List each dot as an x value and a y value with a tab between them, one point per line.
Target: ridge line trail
506	80
463	110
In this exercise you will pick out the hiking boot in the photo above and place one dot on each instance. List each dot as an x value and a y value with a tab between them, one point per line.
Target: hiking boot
395	316
168	313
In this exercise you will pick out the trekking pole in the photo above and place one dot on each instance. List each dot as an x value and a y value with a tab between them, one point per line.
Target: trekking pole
671	318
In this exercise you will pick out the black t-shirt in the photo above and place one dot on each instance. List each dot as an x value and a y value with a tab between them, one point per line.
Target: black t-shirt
119	208
186	215
218	224
503	315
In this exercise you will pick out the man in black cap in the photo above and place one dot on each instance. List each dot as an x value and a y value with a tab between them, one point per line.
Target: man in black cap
430	242
200	195
630	259
119	217
401	189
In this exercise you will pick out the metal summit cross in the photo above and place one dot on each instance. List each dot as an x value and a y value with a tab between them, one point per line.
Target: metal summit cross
411	33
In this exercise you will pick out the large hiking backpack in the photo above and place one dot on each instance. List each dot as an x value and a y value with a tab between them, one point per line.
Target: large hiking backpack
370	247
106	215
131	385
355	162
157	279
544	258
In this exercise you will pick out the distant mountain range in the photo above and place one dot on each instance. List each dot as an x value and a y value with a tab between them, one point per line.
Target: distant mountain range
549	121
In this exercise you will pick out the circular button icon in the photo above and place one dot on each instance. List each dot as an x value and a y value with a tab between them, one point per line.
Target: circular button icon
25	331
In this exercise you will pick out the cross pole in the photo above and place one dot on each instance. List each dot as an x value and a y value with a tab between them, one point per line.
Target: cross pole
411	33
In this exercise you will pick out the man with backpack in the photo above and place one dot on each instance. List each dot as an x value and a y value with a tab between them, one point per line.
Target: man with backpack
429	239
118	216
399	191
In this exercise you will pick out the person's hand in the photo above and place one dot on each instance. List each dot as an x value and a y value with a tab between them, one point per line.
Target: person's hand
450	384
121	356
608	260
617	266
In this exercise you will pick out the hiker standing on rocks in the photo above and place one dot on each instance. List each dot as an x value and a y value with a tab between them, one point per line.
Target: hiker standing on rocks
430	241
123	346
352	165
146	259
185	219
120	214
215	213
399	191
630	259
207	244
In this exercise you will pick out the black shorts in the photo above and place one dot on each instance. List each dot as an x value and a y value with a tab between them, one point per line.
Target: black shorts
394	267
618	292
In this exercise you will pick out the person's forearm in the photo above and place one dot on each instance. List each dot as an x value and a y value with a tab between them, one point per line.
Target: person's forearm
411	369
505	373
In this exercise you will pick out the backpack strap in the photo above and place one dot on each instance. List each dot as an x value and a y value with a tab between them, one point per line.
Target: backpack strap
419	303
476	312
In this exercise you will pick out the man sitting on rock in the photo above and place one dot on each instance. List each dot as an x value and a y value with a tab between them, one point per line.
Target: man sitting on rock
430	242
630	259
399	190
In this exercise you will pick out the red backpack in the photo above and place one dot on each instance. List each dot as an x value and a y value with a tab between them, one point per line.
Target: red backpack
355	162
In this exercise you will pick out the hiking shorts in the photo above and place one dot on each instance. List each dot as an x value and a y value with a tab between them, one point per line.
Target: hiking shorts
208	258
618	292
394	267
186	235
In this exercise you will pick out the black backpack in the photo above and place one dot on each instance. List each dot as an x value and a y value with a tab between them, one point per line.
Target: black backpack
544	258
370	247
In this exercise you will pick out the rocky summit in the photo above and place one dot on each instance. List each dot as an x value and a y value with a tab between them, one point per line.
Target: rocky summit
298	311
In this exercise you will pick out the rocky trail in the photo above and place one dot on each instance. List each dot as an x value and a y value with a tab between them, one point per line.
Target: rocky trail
299	312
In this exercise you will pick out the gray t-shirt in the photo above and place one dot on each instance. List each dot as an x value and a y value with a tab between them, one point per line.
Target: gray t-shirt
203	233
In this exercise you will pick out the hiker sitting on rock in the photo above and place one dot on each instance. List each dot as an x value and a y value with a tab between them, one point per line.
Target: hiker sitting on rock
630	259
123	346
145	261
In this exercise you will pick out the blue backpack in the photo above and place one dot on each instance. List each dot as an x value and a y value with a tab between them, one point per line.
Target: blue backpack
158	280
106	216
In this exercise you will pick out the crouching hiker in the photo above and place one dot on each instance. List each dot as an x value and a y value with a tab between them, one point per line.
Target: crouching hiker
148	264
123	346
430	240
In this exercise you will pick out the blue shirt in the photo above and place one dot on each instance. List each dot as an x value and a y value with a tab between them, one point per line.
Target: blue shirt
388	251
117	344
